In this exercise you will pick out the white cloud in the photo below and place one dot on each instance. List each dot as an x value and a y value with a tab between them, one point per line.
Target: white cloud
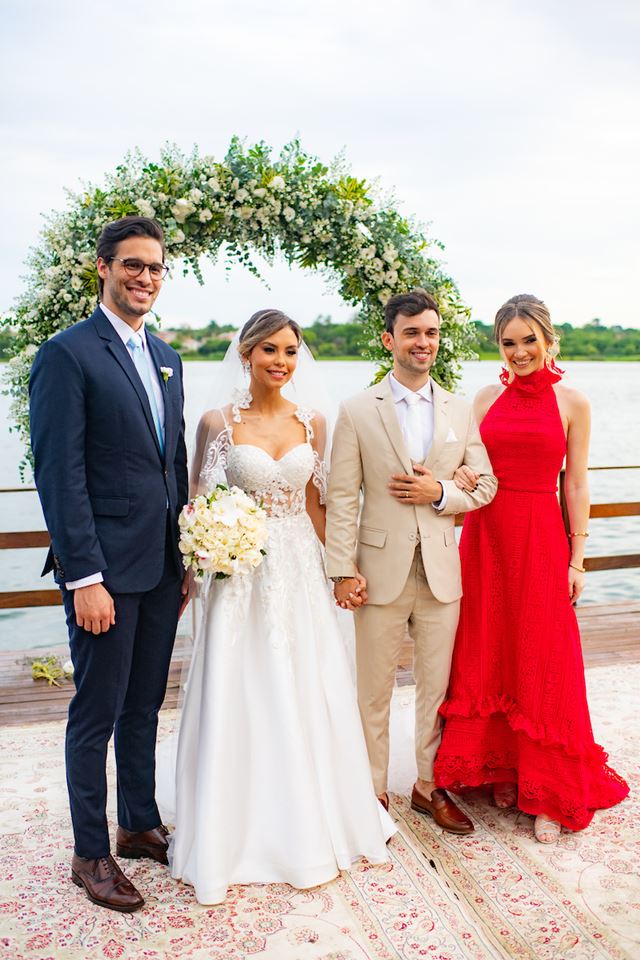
510	127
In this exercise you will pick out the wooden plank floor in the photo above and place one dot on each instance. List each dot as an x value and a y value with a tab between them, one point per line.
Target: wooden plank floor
610	635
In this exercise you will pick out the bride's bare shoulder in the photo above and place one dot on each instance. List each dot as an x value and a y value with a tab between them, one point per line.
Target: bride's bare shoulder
213	421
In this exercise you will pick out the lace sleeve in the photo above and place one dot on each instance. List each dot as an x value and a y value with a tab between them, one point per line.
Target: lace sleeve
316	429
210	458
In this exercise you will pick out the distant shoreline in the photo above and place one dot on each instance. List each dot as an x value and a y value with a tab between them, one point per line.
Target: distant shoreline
190	357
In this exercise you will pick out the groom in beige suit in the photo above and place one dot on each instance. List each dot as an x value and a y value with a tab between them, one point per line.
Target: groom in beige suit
398	444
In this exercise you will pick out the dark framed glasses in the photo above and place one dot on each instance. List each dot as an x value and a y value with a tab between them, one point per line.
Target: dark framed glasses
134	267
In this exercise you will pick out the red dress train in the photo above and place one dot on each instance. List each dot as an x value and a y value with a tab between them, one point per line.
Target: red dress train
517	708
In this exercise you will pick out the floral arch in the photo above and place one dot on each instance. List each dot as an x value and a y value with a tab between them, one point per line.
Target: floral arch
293	207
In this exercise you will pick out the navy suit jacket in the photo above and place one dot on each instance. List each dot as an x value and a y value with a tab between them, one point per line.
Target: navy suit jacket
103	483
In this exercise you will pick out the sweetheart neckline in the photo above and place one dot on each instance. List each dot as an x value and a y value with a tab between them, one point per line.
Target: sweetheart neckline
266	452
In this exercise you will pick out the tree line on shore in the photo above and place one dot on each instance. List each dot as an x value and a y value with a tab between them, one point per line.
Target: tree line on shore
332	341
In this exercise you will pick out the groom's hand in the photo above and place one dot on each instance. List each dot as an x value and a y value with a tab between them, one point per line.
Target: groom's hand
418	489
350	593
95	609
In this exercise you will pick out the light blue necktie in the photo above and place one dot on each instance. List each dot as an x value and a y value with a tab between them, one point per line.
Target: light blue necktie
137	352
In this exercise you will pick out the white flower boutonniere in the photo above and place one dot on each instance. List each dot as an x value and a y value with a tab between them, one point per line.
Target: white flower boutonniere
166	373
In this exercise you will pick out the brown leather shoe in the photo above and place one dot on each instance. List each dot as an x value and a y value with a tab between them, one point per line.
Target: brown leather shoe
443	810
105	883
151	843
383	800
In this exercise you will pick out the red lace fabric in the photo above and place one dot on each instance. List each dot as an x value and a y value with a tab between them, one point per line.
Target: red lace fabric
517	707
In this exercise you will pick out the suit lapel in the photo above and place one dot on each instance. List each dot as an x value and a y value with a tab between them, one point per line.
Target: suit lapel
440	423
387	410
119	352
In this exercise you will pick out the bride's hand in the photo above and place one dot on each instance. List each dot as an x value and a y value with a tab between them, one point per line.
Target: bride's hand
465	478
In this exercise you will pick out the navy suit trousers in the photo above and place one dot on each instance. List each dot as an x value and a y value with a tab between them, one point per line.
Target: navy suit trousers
120	679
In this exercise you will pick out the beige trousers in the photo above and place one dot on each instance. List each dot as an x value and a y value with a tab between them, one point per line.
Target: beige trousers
380	631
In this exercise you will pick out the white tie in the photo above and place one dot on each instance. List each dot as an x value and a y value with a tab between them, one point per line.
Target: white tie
413	432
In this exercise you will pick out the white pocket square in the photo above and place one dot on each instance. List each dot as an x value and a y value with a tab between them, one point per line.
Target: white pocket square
451	437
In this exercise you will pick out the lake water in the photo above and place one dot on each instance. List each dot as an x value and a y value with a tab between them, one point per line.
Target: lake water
614	392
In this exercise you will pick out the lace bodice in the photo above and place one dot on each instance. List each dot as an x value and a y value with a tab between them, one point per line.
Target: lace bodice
278	485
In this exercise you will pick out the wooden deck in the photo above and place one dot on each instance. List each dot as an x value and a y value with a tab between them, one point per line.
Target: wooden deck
610	635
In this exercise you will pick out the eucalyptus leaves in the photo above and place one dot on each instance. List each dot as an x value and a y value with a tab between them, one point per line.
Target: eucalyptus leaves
292	206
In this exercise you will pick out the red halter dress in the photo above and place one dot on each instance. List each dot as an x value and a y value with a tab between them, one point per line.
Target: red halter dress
517	706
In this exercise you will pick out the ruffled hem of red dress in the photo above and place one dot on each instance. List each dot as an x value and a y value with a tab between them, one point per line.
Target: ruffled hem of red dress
520	723
460	772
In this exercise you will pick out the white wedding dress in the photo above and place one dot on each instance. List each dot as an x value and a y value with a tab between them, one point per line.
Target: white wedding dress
272	781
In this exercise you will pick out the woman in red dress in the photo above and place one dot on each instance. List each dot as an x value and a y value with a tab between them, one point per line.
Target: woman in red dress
516	712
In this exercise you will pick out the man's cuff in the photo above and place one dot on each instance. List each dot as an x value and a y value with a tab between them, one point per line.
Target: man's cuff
442	502
84	582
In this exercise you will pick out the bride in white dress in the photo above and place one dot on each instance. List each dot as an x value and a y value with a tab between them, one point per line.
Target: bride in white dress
272	780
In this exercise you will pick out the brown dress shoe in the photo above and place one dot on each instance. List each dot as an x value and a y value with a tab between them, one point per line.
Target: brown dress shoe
443	810
151	843
383	800
105	883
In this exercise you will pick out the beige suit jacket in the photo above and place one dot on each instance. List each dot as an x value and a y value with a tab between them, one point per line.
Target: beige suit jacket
378	533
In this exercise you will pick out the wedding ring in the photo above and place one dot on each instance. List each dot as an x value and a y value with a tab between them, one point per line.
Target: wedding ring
406	493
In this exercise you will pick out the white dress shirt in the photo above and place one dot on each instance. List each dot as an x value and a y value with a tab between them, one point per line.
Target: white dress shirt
426	415
124	331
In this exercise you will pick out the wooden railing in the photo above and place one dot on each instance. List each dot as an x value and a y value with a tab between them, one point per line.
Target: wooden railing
12	599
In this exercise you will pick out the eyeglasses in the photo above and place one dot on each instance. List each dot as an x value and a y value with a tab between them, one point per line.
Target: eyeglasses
134	267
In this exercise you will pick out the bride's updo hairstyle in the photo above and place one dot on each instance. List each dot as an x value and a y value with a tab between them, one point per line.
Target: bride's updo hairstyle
261	326
536	315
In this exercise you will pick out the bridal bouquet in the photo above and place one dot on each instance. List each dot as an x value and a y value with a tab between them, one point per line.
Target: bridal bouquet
222	533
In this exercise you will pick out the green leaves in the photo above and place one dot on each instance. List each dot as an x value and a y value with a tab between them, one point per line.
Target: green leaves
292	205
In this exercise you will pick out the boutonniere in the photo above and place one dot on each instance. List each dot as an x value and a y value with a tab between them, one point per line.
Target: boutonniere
166	373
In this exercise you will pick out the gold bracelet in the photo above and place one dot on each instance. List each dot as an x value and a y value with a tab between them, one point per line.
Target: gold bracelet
581	533
579	569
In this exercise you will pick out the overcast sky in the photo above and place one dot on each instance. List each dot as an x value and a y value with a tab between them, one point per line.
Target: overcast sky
510	127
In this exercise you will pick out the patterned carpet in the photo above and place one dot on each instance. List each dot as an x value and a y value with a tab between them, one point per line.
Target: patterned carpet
495	895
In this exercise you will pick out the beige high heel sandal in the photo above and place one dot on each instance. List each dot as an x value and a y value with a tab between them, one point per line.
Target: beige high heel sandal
546	830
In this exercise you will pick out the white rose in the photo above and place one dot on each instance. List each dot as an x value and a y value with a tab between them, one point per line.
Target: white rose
213	185
76	283
195	195
182	209
288	213
260	193
145	208
246	213
205	215
277	183
177	237
241	195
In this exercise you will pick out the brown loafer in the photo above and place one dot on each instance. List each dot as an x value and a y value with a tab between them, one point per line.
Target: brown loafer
443	810
105	883
151	843
383	800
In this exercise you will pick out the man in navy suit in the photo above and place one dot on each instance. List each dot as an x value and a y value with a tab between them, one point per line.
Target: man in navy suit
107	434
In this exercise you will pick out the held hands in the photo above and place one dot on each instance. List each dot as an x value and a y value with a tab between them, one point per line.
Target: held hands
95	609
351	593
417	489
465	478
